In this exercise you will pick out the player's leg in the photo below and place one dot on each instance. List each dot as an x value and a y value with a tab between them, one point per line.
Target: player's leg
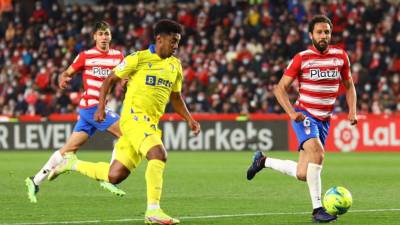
156	155
261	161
312	168
118	172
304	130
115	129
83	130
314	152
74	141
99	170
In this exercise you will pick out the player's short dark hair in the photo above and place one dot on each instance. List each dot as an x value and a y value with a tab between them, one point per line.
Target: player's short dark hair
319	19
166	26
101	25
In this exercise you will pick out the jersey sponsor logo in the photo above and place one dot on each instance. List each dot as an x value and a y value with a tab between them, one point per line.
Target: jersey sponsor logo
100	72
317	73
151	80
154	81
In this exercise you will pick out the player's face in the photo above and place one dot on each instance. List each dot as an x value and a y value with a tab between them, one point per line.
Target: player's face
169	44
102	39
321	36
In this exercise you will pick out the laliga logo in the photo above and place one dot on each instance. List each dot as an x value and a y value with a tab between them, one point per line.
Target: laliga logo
346	136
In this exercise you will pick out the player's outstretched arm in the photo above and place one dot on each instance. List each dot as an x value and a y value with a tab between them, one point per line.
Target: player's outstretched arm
65	77
351	98
108	83
280	92
180	107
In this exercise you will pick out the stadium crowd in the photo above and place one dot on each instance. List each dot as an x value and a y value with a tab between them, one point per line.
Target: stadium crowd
233	52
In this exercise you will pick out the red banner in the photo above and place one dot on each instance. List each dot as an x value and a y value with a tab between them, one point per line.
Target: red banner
372	133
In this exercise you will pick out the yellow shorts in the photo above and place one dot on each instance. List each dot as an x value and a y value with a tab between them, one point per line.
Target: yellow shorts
138	137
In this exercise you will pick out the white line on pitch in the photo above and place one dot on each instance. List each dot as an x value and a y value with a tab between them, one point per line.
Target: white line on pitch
192	217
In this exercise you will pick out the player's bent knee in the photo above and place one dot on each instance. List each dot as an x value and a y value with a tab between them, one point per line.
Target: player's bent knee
301	175
157	152
67	149
116	178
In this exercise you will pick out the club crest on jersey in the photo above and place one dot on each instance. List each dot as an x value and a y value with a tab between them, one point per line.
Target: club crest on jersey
317	73
100	72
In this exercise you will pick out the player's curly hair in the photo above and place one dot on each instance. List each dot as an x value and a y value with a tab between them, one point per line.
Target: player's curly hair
319	19
166	26
101	25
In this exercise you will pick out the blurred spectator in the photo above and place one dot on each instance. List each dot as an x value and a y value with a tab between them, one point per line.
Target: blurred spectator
233	52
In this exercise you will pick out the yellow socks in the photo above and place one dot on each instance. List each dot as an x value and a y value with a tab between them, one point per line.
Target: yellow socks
97	171
154	180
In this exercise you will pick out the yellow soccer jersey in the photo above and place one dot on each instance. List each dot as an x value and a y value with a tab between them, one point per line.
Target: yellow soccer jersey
151	81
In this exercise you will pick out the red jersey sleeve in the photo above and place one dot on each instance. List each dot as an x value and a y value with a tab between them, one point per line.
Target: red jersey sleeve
79	62
345	73
294	67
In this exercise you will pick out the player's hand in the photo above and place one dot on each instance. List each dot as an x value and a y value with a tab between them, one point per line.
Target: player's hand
352	117
99	115
64	81
297	116
124	82
194	126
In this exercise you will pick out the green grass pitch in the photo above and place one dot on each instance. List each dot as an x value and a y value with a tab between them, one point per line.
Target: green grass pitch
202	188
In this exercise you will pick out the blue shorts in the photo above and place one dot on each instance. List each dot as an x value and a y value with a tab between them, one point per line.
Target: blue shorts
87	123
310	128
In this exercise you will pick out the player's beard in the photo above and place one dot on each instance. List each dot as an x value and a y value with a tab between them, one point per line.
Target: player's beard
321	47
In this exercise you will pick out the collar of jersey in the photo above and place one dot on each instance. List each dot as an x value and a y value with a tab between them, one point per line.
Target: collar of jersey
152	48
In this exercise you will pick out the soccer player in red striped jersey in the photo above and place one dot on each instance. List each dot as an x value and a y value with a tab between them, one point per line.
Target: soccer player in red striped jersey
95	64
319	71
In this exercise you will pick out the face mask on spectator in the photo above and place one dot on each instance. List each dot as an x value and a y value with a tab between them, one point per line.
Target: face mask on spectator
200	97
396	78
369	26
234	81
213	79
367	87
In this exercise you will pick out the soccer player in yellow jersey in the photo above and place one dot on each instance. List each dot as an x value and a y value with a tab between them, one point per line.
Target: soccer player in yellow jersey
155	78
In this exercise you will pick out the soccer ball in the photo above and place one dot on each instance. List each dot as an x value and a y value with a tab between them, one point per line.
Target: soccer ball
337	200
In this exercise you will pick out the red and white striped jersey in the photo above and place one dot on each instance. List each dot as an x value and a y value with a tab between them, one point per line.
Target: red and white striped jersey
96	65
319	78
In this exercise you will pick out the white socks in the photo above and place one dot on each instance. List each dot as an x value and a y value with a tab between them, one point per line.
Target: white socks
314	184
54	160
153	206
287	167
